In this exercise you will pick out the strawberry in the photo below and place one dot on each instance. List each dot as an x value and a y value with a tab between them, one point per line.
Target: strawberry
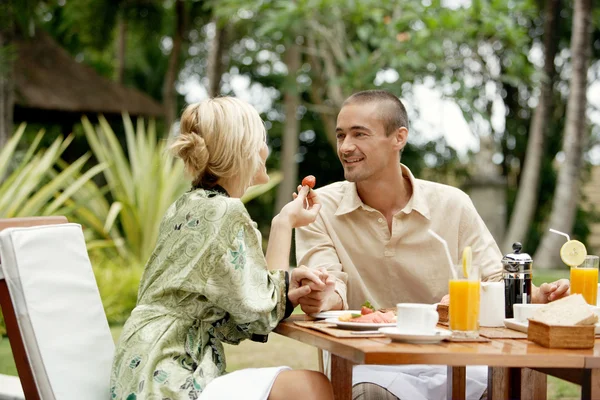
366	310
309	181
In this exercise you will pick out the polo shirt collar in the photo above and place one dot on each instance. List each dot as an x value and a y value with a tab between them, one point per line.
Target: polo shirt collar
351	201
417	201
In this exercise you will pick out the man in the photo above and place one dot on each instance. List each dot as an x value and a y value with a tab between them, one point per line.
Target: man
372	230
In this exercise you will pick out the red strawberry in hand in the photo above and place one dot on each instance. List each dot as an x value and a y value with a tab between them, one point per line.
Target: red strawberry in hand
309	181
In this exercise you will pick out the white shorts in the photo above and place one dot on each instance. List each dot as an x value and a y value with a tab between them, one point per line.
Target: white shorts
247	384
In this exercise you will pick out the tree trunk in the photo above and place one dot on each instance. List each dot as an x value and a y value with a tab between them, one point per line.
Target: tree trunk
527	196
291	98
7	99
566	195
169	91
317	89
215	64
121	43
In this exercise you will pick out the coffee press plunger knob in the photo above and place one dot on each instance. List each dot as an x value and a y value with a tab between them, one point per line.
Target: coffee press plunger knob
517	247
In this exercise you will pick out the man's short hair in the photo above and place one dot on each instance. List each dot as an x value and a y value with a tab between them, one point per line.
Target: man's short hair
392	112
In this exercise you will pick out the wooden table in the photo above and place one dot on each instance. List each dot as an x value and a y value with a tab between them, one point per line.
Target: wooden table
517	367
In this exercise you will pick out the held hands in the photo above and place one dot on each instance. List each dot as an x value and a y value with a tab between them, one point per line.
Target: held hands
303	209
313	279
318	298
548	292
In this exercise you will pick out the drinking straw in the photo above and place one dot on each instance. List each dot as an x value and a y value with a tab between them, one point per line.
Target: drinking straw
442	241
560	233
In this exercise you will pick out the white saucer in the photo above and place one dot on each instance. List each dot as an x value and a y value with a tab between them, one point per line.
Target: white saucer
522	326
411	337
358	326
333	313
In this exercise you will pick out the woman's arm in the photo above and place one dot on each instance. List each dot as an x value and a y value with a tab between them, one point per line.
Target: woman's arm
280	239
299	212
236	279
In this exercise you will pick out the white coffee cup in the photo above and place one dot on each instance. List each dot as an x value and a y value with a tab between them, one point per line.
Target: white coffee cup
522	312
416	317
491	305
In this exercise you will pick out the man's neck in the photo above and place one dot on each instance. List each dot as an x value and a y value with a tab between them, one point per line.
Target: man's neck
388	195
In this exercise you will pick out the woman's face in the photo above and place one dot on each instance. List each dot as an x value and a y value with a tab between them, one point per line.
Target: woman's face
261	176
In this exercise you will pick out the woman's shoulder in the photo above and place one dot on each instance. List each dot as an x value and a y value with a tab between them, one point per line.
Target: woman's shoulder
212	207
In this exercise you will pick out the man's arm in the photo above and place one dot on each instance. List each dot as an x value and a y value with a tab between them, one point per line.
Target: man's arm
315	249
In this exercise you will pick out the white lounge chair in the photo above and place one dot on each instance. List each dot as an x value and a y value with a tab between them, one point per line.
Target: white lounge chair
56	324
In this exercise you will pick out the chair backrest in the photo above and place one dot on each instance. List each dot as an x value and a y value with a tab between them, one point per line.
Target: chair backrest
59	313
10	319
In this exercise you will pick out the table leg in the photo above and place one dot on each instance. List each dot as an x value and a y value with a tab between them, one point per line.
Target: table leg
498	383
320	360
533	384
341	377
590	386
516	383
456	383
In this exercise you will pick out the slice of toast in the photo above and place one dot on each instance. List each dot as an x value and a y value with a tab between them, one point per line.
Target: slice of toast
570	310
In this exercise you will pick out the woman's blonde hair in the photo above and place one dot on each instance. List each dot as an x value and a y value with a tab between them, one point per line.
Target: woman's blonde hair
220	140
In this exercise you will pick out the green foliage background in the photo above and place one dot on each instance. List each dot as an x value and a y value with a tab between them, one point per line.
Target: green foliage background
114	178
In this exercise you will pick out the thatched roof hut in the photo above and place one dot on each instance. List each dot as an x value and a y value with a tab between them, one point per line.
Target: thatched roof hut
51	87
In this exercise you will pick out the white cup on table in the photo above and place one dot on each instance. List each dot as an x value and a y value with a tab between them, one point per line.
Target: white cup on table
491	304
417	317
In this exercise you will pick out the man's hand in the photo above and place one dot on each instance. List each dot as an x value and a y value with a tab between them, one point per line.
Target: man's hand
548	292
319	298
445	300
314	278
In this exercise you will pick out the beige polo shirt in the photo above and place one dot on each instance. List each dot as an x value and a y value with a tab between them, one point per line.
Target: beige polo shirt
352	241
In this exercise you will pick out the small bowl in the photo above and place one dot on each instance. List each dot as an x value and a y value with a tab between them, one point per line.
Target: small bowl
522	312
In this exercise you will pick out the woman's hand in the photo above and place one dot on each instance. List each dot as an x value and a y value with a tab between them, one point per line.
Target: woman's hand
315	278
303	209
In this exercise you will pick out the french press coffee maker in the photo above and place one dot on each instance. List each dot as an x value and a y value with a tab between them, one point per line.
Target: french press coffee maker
517	278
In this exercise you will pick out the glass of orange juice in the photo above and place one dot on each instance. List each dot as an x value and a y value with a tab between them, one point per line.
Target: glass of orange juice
464	306
584	279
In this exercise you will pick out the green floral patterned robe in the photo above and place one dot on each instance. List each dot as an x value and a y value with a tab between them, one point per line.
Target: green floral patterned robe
206	283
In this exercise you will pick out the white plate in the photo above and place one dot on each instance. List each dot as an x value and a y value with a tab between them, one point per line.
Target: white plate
358	326
522	326
515	325
333	313
410	337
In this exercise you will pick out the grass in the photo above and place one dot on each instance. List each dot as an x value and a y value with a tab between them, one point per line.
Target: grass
541	276
280	350
7	364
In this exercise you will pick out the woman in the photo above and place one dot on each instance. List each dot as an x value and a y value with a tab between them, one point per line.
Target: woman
208	282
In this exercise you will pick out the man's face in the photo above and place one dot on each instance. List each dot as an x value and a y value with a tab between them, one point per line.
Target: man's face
362	145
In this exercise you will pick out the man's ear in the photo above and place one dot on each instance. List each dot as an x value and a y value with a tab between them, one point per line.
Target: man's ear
400	138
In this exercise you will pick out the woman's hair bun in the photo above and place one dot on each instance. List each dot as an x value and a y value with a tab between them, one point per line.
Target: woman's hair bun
189	145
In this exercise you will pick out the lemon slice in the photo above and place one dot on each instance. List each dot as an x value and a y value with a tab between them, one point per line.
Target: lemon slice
467	257
573	253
